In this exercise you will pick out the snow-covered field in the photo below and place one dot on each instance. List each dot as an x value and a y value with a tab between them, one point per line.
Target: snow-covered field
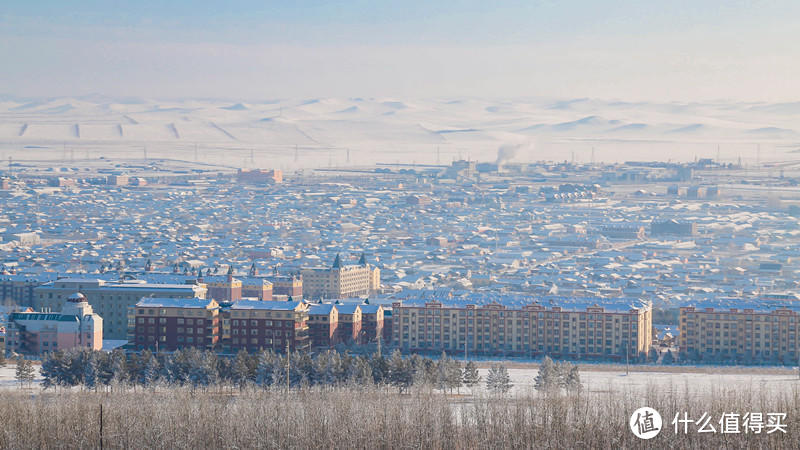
612	379
7	373
604	381
321	132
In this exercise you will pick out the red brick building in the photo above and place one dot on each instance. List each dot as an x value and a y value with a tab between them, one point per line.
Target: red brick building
172	323
372	320
255	325
323	323
387	325
349	327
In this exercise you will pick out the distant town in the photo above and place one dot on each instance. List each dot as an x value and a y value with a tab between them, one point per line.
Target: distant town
634	262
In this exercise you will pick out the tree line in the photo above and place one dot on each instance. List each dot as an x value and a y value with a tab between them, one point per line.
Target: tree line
202	368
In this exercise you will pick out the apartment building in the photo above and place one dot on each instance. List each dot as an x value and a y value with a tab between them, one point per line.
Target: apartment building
110	300
349	328
19	288
560	327
323	323
167	324
223	288
341	280
757	331
371	322
257	288
77	325
288	285
255	325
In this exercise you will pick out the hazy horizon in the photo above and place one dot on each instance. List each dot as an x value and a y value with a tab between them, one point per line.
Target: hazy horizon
246	50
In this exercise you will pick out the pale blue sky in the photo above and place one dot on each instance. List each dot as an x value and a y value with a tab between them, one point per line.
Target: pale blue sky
677	50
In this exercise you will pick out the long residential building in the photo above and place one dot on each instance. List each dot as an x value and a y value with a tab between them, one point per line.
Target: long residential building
110	300
560	327
254	325
19	288
166	324
755	331
323	323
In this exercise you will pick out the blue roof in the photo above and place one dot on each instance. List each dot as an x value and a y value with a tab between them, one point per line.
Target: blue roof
320	309
150	302
347	308
727	303
265	305
514	301
150	286
370	309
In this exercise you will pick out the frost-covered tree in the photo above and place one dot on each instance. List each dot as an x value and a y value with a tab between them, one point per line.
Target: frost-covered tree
24	373
240	370
573	380
150	369
267	360
547	380
497	380
401	372
470	377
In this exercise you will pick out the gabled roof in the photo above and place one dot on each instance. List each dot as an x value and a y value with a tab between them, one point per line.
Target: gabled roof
321	308
347	308
266	305
151	302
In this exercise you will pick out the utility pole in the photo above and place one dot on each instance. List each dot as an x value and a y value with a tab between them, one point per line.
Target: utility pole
627	350
627	368
758	155
288	367
379	346
101	426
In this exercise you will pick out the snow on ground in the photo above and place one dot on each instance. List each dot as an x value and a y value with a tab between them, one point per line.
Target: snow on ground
612	378
604	381
325	131
7	376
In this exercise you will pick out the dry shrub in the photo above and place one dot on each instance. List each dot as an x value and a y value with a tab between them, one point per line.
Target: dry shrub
371	418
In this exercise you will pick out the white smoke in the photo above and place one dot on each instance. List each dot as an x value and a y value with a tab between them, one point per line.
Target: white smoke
507	152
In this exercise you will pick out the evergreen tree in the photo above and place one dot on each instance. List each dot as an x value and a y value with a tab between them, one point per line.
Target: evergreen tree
51	366
150	369
380	369
471	378
267	361
547	380
360	372
25	373
90	371
497	380
240	369
401	374
573	380
442	372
